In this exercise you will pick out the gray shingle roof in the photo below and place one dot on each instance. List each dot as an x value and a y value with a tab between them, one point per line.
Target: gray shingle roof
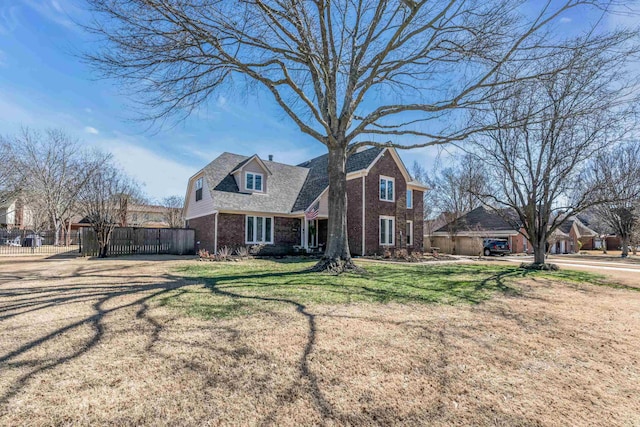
482	219
289	188
318	179
283	186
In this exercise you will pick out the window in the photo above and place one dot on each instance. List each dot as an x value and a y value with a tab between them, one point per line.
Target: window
409	199
198	189
259	229
253	181
386	188
387	230
409	234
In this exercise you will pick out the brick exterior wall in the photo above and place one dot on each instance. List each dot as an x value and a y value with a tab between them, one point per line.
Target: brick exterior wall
354	215
231	227
374	208
287	233
231	233
231	230
205	231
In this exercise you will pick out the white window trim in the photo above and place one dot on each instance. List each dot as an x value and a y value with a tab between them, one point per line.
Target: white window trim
410	206
255	230
246	187
410	243
393	234
387	178
199	183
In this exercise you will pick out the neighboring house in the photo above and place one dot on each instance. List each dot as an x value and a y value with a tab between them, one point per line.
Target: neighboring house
572	236
431	225
147	216
239	201
14	214
138	215
462	236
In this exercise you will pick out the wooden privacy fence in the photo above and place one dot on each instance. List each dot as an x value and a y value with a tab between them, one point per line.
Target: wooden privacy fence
144	241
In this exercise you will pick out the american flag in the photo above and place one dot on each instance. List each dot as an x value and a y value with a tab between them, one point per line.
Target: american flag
312	212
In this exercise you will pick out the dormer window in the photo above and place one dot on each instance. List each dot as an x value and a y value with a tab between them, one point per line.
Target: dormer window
198	189
253	181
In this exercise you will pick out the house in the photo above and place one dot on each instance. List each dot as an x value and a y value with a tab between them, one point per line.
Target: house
572	236
145	215
278	208
464	235
14	213
431	225
137	215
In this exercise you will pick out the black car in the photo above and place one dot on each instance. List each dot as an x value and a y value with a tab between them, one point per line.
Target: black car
496	246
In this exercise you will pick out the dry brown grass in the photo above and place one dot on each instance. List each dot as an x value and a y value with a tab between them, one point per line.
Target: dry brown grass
85	342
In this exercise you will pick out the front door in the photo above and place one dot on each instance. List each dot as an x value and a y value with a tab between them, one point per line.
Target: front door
312	233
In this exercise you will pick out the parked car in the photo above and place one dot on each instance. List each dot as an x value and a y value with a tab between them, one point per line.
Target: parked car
496	247
15	241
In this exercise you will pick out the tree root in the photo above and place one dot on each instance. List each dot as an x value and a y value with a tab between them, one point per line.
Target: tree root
336	266
539	266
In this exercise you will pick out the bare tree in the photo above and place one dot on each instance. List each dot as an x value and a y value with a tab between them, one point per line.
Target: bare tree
548	129
6	168
173	211
459	187
616	175
348	73
103	202
52	169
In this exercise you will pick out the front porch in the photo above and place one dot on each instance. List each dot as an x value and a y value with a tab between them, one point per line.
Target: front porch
313	236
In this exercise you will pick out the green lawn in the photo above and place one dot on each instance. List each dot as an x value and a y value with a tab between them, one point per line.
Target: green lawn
241	288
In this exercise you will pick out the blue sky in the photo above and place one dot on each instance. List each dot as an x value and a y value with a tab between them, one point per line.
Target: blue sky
44	84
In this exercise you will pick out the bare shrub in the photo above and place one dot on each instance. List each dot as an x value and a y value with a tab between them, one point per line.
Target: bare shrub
224	254
242	252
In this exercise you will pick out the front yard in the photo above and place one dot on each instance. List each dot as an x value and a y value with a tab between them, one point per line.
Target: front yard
161	341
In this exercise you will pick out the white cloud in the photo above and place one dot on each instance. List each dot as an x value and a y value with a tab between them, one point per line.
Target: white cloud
565	20
160	175
3	58
91	130
88	110
59	12
8	19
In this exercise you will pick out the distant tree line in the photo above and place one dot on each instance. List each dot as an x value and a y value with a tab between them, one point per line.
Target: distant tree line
58	180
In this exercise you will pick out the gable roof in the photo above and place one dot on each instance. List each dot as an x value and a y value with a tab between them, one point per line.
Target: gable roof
480	219
285	183
247	160
290	189
318	178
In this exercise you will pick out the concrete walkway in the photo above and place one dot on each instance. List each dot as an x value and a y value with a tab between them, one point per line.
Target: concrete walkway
624	273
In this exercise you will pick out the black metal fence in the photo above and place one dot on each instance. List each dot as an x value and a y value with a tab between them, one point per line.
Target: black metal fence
29	242
141	241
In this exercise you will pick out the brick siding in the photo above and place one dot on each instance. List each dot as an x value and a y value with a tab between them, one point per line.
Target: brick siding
374	208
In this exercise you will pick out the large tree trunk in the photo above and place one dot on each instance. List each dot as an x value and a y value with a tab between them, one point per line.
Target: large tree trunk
337	257
539	251
625	246
56	228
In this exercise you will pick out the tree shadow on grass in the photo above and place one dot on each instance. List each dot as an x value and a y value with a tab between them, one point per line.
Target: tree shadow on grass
291	288
103	297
